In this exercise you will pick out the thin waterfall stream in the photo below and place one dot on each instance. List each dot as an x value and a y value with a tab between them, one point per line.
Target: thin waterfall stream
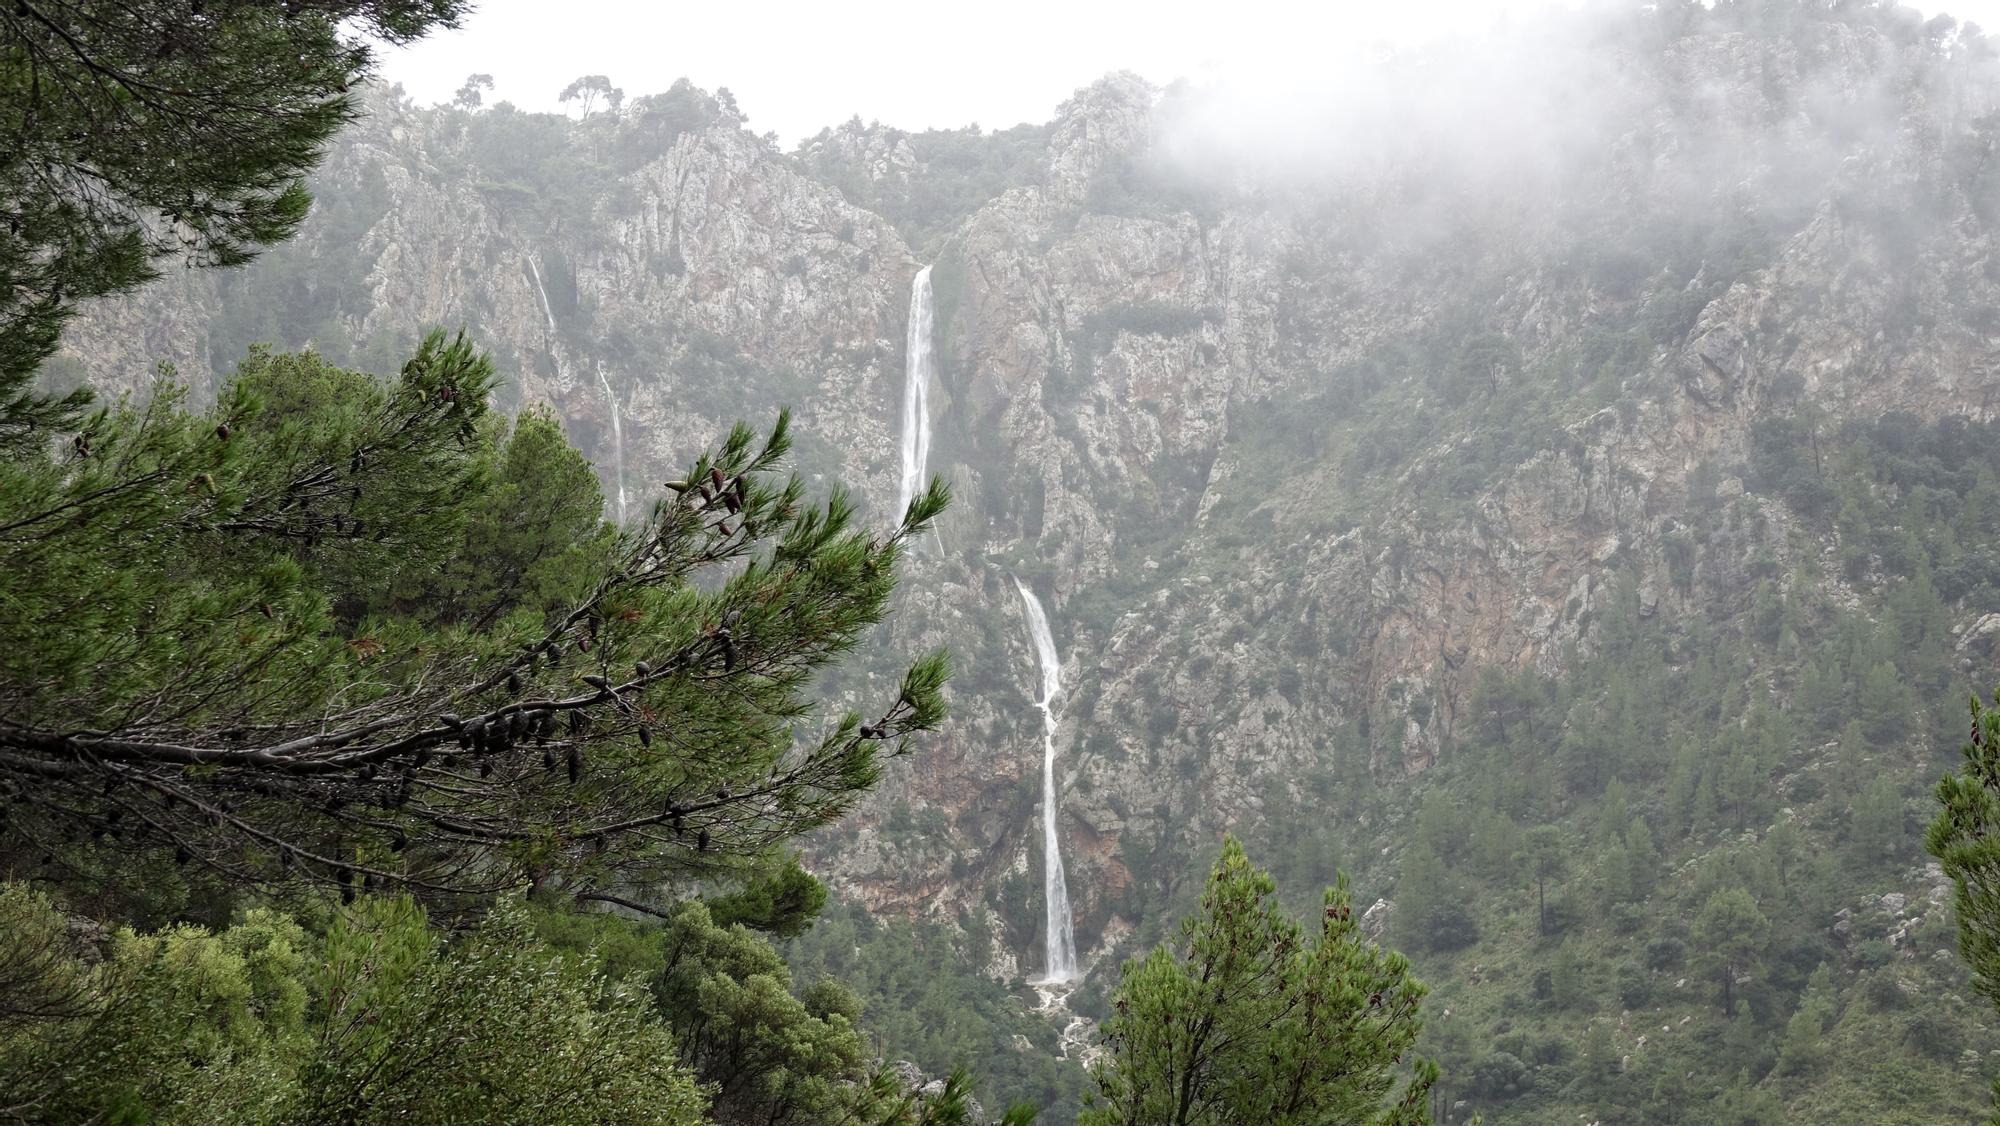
1060	973
1060	940
617	439
610	396
917	374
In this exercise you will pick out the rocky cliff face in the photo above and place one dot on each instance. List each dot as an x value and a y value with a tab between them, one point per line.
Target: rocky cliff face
1291	460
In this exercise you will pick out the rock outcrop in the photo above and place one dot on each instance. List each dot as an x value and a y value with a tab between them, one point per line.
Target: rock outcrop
1272	448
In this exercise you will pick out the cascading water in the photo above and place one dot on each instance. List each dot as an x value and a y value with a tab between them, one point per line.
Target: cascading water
562	368
1061	941
617	439
917	364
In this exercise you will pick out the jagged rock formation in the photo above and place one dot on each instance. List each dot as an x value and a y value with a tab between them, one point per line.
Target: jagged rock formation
1297	456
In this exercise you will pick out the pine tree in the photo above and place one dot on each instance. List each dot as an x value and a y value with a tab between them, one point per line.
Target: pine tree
1616	868
1801	1050
1883	703
1821	704
1965	837
348	631
136	133
1495	840
1597	1064
1730	934
1543	857
1767	612
1613	811
380	1019
1786	846
769	1054
1569	978
1439	827
1878	819
1431	911
1244	1018
1643	854
783	903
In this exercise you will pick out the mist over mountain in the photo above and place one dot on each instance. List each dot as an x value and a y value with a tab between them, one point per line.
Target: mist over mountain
1552	477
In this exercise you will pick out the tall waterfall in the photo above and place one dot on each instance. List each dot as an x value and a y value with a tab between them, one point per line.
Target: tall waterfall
917	371
562	368
1061	940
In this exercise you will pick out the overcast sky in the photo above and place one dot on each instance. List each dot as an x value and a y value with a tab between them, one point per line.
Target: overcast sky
797	66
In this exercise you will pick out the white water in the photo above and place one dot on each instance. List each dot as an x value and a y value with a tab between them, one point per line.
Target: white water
617	439
1061	940
917	372
562	368
1078	1038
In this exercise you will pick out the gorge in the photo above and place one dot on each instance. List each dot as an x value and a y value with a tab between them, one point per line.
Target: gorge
1609	456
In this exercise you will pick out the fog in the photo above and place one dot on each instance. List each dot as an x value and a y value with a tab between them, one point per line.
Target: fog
797	67
1513	98
612	615
1541	114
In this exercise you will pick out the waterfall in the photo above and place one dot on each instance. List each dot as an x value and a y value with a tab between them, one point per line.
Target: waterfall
610	396
917	364
617	439
1061	940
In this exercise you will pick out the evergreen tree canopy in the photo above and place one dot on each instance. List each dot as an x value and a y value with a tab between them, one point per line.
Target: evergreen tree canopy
377	1019
1246	1018
1731	934
359	631
1543	855
137	133
1965	837
783	903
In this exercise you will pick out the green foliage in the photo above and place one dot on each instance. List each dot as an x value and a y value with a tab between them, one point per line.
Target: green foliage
926	1000
355	631
534	539
1965	837
1244	1017
1431	907
1730	935
767	1050
1878	823
589	89
956	172
192	1024
769	1055
653	122
1803	1050
1761	754
1675	773
493	1029
168	554
783	903
137	133
1570	973
1543	855
320	631
1868	478
373	1020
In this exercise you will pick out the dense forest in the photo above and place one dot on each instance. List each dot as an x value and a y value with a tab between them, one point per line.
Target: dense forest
1456	614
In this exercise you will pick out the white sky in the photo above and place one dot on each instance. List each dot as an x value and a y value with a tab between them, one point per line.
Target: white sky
798	65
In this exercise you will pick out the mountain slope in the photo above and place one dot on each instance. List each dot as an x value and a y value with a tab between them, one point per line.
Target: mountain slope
1508	444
